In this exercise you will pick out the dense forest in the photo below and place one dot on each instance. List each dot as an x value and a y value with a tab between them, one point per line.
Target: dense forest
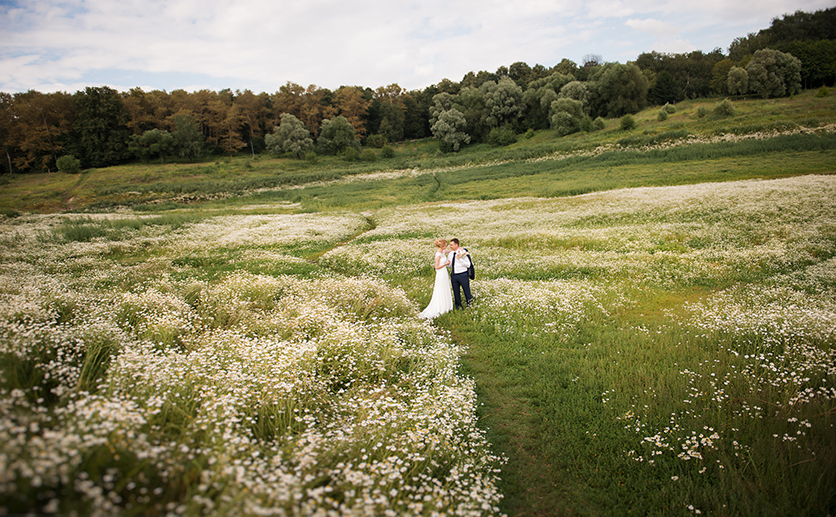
99	126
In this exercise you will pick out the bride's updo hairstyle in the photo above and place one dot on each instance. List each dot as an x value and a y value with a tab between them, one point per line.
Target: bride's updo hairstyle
440	243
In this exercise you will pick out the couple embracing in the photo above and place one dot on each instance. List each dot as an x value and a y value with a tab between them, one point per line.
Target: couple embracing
458	260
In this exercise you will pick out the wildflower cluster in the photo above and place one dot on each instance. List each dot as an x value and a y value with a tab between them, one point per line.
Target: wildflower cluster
143	387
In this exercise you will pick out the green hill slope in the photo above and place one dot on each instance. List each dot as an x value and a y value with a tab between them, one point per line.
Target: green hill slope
763	138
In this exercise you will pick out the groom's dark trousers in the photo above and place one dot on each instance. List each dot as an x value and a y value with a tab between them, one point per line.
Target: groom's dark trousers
461	279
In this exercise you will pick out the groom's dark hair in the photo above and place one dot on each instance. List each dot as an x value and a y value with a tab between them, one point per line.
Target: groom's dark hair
454	240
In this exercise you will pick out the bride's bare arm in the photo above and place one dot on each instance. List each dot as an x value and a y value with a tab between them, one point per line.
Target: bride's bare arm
438	264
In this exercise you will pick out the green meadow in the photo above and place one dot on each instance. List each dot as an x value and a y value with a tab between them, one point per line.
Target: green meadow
653	331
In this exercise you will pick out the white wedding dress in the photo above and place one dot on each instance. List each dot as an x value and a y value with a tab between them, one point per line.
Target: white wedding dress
442	299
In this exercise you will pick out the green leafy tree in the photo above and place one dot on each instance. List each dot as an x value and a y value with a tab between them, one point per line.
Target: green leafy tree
449	130
188	139
503	100
575	90
818	61
392	121
472	103
566	115
392	111
416	120
539	96
719	77
565	67
100	130
337	135
442	102
290	136
738	81
153	143
618	89
664	89
773	73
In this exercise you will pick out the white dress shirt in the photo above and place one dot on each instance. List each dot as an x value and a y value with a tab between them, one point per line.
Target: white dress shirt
462	264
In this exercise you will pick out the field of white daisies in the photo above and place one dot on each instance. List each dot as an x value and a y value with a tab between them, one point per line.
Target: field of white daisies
273	363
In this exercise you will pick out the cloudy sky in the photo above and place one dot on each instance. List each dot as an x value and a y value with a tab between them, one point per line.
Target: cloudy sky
53	45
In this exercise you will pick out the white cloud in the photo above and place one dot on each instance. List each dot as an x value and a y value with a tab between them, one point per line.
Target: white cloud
657	28
677	46
261	45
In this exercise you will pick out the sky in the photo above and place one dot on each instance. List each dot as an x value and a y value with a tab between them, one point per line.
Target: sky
260	45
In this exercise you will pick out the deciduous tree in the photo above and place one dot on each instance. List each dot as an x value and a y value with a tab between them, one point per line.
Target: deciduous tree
351	104
773	73
449	128
392	111
618	89
539	97
188	139
40	128
738	81
503	100
566	115
290	136
229	136
100	128
337	135
153	143
316	108
720	75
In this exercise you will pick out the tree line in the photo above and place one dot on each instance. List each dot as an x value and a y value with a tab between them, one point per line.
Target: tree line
99	126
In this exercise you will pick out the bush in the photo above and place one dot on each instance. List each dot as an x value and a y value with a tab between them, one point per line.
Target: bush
662	115
69	164
823	92
387	151
701	112
529	134
627	123
563	123
598	124
586	124
350	154
669	108
367	155
376	141
502	136
724	109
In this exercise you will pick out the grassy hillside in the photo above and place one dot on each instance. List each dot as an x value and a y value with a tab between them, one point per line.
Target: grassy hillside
583	162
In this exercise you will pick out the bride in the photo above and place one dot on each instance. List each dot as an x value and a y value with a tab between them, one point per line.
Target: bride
442	299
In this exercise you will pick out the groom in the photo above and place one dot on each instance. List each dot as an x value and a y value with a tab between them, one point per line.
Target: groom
459	265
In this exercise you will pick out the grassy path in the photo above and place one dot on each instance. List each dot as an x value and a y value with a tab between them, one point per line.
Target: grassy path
506	413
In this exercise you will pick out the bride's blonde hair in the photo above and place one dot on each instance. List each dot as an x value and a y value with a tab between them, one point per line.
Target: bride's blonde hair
440	243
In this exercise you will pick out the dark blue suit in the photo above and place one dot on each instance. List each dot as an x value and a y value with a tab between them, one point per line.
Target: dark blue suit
460	279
